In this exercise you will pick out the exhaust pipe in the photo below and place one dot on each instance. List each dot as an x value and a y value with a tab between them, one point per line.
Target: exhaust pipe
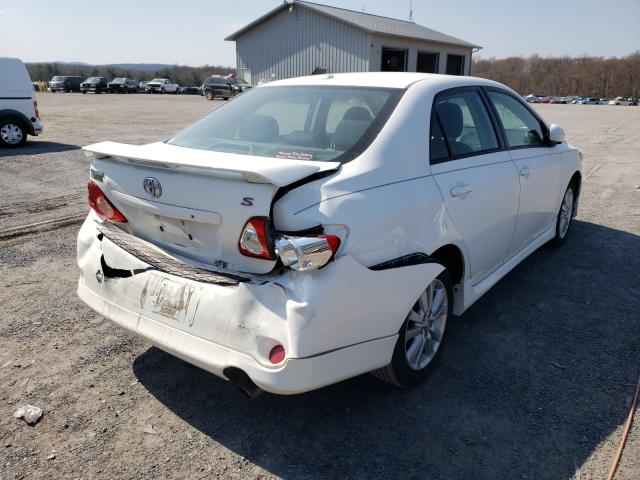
244	383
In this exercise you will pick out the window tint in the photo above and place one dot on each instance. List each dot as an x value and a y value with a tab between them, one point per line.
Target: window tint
437	145
521	128
466	123
320	123
289	114
345	102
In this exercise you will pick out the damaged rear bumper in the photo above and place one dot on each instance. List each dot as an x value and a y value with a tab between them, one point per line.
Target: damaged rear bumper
334	323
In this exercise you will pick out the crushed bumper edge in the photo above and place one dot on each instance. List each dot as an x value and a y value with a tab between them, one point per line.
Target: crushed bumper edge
297	375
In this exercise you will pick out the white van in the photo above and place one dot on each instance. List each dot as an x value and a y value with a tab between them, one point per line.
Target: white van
19	115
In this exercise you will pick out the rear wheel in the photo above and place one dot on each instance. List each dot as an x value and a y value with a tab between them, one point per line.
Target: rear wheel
12	132
421	336
565	217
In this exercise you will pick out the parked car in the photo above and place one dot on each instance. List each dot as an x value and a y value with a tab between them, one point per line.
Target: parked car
94	84
296	237
189	91
19	114
240	86
590	101
217	86
123	85
532	99
621	101
142	87
63	83
162	85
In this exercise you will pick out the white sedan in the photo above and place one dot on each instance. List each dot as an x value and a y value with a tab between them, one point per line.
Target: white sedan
621	101
322	227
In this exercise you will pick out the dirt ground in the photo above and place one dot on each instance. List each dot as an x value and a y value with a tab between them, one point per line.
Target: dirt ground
535	383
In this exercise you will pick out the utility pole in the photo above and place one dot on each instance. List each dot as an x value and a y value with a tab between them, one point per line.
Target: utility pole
411	11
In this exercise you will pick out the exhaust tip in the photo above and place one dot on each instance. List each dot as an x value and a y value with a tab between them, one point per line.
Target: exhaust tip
243	382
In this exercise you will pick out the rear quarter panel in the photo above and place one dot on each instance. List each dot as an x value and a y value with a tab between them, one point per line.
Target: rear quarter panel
385	201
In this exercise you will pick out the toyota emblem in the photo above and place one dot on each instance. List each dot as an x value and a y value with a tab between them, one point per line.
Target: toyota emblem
152	187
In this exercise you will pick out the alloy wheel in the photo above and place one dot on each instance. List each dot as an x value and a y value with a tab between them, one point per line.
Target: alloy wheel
425	325
566	211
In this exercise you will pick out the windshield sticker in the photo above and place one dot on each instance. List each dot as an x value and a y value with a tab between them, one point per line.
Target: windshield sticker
294	155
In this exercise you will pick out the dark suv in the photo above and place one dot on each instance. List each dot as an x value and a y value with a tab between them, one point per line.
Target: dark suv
217	86
94	84
61	83
123	85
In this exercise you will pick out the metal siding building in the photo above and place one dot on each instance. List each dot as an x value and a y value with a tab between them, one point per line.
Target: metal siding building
295	38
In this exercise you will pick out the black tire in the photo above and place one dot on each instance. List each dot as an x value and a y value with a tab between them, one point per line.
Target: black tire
84	92
399	372
226	98
563	233
18	123
208	94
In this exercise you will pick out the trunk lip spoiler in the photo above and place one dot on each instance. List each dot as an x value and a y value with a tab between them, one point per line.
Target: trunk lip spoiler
276	171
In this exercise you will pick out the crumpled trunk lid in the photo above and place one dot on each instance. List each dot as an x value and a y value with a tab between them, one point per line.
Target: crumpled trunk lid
194	203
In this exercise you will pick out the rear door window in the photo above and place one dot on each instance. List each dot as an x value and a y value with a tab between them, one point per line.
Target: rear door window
466	127
521	127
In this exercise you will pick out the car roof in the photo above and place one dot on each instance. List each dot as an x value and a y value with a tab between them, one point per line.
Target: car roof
384	79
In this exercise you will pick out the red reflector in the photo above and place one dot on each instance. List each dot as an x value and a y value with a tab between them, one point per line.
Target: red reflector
102	206
276	355
35	107
254	239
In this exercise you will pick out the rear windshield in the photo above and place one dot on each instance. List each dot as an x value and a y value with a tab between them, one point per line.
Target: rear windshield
158	80
318	123
94	79
57	79
119	80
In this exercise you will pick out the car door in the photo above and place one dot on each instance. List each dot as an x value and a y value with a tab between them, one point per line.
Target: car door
476	176
539	167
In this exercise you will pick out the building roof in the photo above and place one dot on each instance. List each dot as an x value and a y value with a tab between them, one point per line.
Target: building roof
364	21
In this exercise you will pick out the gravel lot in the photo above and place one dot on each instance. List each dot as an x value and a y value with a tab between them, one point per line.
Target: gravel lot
536	380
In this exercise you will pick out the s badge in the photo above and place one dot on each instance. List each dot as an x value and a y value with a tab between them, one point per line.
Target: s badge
247	202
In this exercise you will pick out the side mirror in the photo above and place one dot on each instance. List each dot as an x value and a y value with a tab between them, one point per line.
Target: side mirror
556	134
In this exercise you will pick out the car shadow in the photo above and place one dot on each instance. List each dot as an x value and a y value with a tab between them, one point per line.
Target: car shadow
534	377
35	147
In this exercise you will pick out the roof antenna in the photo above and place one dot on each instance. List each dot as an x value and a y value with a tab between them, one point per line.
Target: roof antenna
411	11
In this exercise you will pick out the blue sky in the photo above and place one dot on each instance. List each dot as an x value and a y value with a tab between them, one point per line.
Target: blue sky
191	32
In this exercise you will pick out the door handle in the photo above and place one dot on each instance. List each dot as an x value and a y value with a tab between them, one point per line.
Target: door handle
525	171
460	190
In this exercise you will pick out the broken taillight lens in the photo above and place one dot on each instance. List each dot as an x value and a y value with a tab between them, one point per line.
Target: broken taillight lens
307	253
102	206
298	253
254	239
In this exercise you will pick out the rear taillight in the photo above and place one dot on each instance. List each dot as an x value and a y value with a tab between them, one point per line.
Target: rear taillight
254	239
35	107
307	253
298	253
102	206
